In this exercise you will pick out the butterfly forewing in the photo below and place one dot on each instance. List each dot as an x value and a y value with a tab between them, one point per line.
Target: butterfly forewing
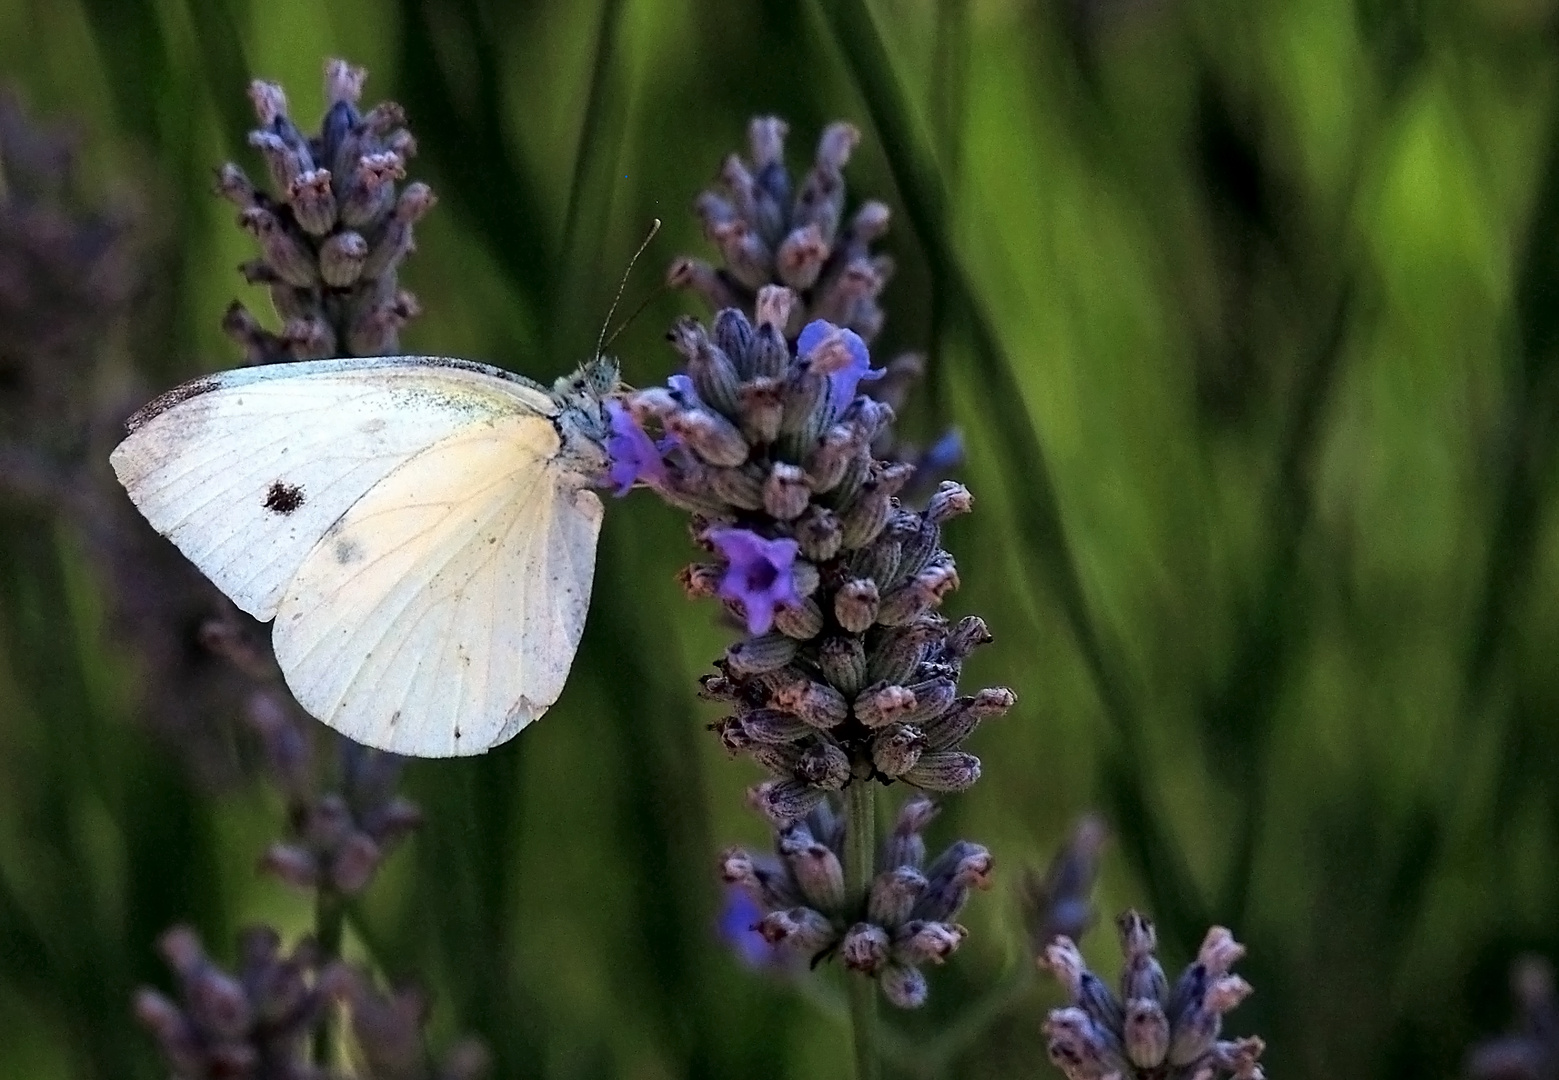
245	471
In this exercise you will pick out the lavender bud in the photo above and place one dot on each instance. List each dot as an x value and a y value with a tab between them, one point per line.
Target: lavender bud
785	493
1081	1048
799	929
958	723
341	258
287	254
747	257
1146	1033
919	545
778	761
945	770
770	355
714	375
772	310
805	409
843	663
899	652
176	1037
932	698
377	330
344	82
783	801
879	705
701	580
1193	1034
904	987
921	942
234	186
906	845
864	948
805	576
291	865
824	766
755	655
329	822
839	447
370	192
284	162
1142	977
1219	951
878	561
354	864
733	333
950	500
802	622
269	101
918	595
731	735
870	222
818	533
818	704
865	518
709	435
773	727
817	870
896	749
711	284
969	634
894	894
313	201
801	256
741	488
1087	990
855	605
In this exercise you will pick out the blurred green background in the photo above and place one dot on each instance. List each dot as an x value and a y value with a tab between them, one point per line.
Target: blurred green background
1250	316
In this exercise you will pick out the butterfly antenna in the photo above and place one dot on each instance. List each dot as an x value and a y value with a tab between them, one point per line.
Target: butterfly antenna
601	342
654	293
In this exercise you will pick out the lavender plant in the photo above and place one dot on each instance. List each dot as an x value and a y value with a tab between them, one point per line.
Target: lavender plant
846	677
331	249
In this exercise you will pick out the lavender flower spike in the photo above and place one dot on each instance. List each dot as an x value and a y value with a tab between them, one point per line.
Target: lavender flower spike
758	575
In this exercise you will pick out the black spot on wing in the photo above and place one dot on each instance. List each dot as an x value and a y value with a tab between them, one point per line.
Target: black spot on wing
167	400
283	498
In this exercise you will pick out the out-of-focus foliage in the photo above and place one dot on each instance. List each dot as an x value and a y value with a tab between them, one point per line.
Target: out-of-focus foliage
1250	316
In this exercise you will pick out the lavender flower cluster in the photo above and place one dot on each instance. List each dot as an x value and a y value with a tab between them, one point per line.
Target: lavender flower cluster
1152	1030
847	672
256	1023
909	912
335	231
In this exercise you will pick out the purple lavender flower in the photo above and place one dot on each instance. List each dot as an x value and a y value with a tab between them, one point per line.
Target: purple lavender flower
841	355
634	455
758	575
738	928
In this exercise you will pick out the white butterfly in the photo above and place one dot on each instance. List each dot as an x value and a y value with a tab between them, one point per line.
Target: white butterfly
421	529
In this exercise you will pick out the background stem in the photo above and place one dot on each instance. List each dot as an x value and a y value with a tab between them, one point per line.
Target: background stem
329	919
860	859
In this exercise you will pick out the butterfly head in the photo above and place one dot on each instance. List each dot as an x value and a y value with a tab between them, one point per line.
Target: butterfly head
582	417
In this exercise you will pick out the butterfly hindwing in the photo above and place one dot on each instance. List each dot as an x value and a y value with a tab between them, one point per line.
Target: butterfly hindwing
441	613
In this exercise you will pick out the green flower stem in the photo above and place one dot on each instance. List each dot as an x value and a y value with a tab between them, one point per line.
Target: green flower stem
860	861
329	921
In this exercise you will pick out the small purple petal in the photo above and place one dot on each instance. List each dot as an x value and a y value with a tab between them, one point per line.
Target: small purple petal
633	455
736	928
842	381
758	574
